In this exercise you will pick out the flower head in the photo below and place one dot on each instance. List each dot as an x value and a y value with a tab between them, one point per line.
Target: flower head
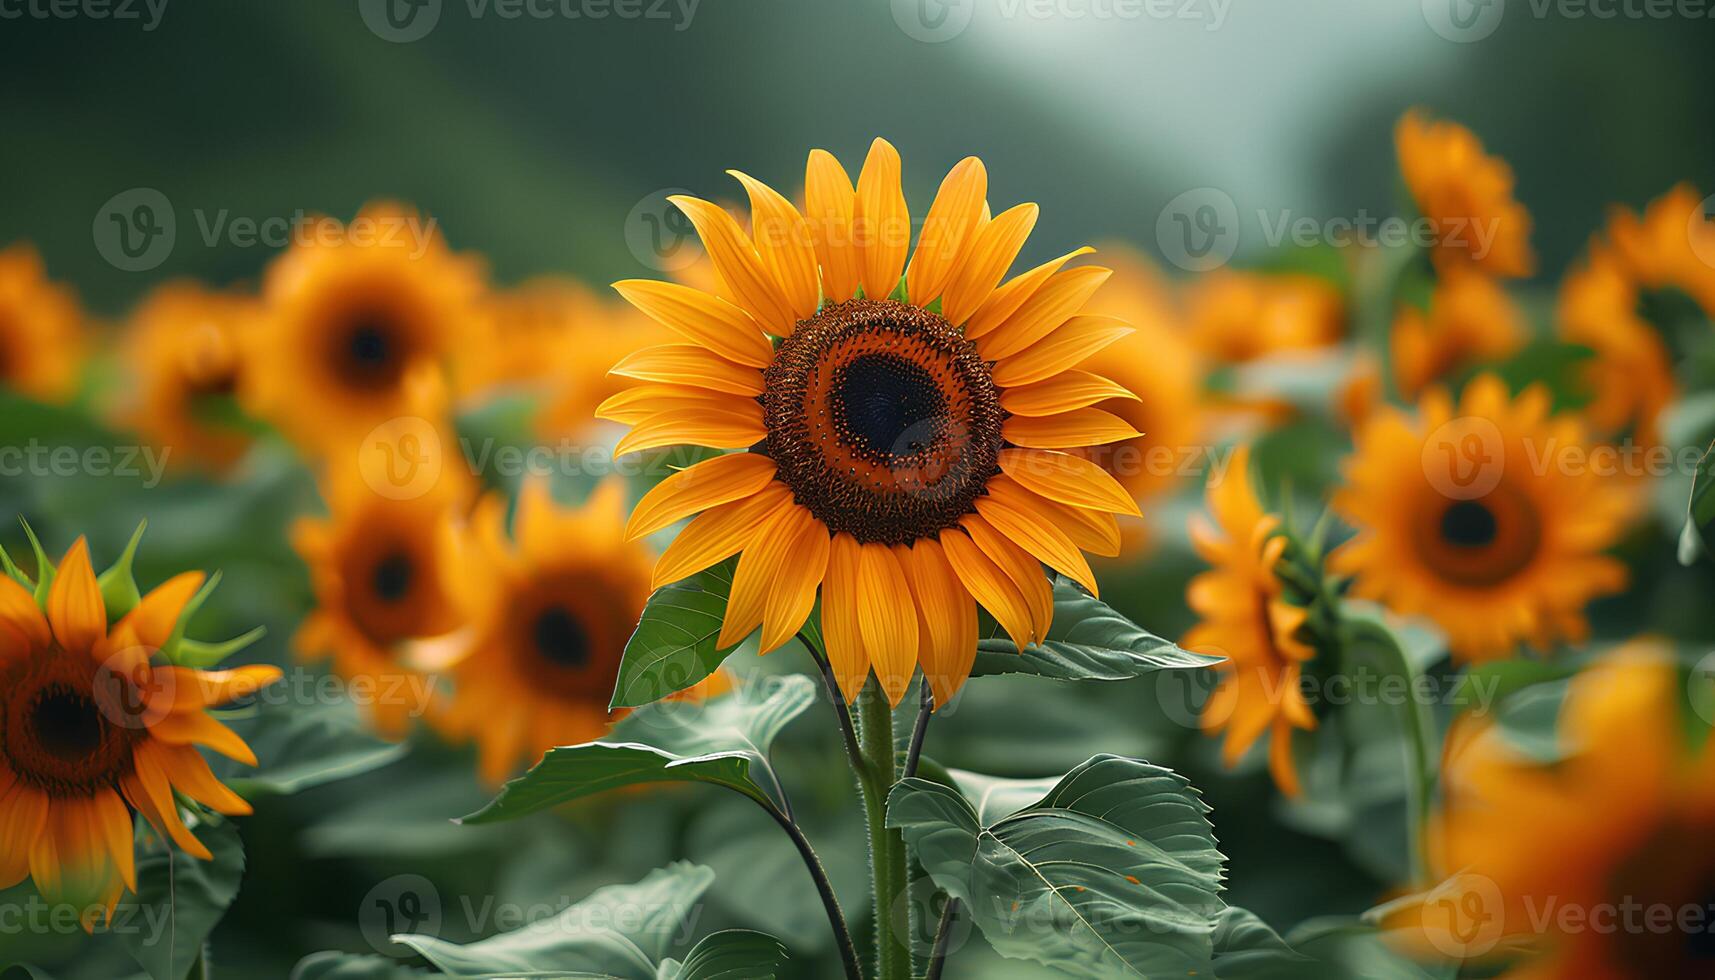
41	328
1467	196
185	353
1235	317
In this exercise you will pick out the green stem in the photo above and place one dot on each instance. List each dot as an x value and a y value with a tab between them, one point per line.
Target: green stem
1420	773
886	847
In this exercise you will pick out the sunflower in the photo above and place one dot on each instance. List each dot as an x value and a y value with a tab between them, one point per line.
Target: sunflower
549	612
596	333
352	312
379	566
904	439
1670	245
1245	618
1159	377
1481	517
183	348
41	329
1630	377
1466	195
1240	316
1616	833
1470	321
95	726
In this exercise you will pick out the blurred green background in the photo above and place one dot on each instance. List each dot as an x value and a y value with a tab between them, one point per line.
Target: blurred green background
532	140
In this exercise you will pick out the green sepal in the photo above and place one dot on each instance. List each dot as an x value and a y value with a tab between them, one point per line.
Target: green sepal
119	592
173	649
44	567
202	656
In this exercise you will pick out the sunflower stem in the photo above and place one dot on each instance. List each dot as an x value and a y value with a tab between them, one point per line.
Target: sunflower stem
1420	775
943	938
825	888
886	847
854	754
925	710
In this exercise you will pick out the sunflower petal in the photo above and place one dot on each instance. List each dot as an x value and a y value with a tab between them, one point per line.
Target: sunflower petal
758	566
994	247
1062	296
949	618
1077	339
947	231
199	728
828	203
1069	479
1024	570
1013	512
988	585
638	402
23	812
793	594
112	826
1004	301
840	628
887	619
18	609
75	608
687	364
716	535
881	221
697	488
195	690
191	775
715	430
157	614
1062	393
738	265
704	320
1069	430
784	242
1095	531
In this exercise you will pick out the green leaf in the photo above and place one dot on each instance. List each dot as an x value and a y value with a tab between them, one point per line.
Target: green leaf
724	742
179	901
1088	641
736	954
299	746
352	966
621	931
1113	872
1699	510
118	584
1247	949
674	644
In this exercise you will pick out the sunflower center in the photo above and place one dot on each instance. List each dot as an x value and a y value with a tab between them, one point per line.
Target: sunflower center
57	728
1468	524
67	724
369	352
560	639
392	577
884	420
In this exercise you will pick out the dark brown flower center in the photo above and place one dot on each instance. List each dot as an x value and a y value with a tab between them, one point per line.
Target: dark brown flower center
392	577
1482	542
61	729
370	350
1468	524
560	639
884	420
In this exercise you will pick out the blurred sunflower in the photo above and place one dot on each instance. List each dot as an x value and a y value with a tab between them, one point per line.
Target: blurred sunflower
1466	194
549	612
1630	377
1670	246
1478	516
1618	831
598	332
1471	320
1236	316
379	566
352	312
95	727
1159	378
905	442
41	329
183	348
1245	617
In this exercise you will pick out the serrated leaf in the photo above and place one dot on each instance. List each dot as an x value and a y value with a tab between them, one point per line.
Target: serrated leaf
119	592
674	645
735	954
299	746
1087	641
622	931
724	742
1113	872
179	901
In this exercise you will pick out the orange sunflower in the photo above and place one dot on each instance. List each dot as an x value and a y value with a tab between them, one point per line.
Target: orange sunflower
549	612
353	312
1630	377
1470	320
1240	316
1670	245
41	329
1483	516
904	426
95	726
598	333
1467	196
379	566
1246	618
184	349
1597	867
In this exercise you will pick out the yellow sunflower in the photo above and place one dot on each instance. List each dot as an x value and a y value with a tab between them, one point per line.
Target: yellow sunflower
1245	617
1471	320
904	440
1467	196
549	611
352	312
1630	377
1587	869
1484	516
1672	244
94	728
184	348
41	329
598	332
1240	316
379	567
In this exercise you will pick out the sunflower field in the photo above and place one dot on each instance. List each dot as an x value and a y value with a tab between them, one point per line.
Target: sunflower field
644	490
